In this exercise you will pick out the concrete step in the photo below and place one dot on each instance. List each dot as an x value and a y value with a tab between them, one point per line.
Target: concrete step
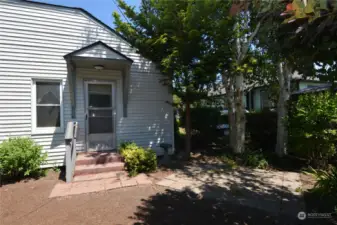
91	158
100	176
98	168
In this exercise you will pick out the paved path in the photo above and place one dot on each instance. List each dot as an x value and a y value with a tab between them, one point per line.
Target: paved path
272	191
98	183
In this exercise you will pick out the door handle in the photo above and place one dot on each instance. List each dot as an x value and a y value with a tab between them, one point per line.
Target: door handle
86	116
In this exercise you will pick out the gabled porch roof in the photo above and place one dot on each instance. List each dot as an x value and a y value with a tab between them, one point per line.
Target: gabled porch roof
98	50
98	54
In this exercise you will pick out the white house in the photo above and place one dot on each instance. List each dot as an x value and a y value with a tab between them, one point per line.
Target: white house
60	64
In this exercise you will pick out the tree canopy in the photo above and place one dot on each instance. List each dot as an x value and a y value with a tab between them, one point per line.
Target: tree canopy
179	37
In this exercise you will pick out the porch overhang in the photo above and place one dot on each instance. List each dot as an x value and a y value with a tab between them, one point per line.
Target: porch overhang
103	55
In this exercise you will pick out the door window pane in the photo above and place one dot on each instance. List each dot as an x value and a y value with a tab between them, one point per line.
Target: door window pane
100	95
99	100
99	88
47	93
48	116
99	125
100	113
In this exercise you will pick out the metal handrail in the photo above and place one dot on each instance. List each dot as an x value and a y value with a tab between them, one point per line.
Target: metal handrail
70	141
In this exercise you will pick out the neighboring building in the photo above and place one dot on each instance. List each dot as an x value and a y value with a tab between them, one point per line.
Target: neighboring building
59	64
314	89
258	97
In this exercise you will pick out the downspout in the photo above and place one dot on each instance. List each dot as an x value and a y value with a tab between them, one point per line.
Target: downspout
71	78
125	80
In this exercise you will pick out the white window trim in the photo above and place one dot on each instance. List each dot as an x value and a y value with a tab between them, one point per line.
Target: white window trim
46	130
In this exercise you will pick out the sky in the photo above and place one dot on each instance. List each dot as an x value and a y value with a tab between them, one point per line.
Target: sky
102	9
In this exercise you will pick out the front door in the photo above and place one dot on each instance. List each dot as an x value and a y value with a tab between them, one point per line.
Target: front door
100	109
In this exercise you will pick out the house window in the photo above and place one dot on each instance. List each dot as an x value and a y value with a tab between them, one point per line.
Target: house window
266	103
47	106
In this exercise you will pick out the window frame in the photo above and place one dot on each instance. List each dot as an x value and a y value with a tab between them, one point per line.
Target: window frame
269	102
46	130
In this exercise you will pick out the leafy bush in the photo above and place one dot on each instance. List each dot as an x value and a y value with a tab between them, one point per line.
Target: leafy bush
252	159
312	127
326	181
228	161
261	130
127	145
20	157
137	159
255	159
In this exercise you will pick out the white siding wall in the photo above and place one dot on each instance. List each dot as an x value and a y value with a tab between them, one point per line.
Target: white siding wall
33	40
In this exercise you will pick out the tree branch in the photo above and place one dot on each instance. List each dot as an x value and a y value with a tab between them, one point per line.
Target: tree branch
250	39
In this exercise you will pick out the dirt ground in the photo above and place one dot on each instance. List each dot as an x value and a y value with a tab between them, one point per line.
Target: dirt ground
27	202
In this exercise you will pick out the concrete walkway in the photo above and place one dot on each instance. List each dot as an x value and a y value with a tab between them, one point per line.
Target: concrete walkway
100	182
272	191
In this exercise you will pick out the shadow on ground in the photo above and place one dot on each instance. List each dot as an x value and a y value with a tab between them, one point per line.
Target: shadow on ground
226	196
176	207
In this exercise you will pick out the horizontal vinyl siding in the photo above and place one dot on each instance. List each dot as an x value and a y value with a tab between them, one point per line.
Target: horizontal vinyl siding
149	120
33	40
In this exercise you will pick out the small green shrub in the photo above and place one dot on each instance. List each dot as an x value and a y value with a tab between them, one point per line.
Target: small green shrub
137	159
127	145
20	157
56	169
326	181
313	128
299	189
252	159
229	162
255	159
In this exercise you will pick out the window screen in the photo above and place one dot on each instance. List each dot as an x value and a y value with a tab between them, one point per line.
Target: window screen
48	104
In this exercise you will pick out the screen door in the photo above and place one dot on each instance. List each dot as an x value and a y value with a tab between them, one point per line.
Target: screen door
100	116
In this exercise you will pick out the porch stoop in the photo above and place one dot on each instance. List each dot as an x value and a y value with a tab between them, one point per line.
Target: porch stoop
98	165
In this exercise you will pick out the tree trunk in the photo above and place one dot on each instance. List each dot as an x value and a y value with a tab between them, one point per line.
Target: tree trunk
231	121
240	120
228	84
284	75
188	130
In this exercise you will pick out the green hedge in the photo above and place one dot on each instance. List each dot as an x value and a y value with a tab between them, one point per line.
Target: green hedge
313	127
261	130
203	123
